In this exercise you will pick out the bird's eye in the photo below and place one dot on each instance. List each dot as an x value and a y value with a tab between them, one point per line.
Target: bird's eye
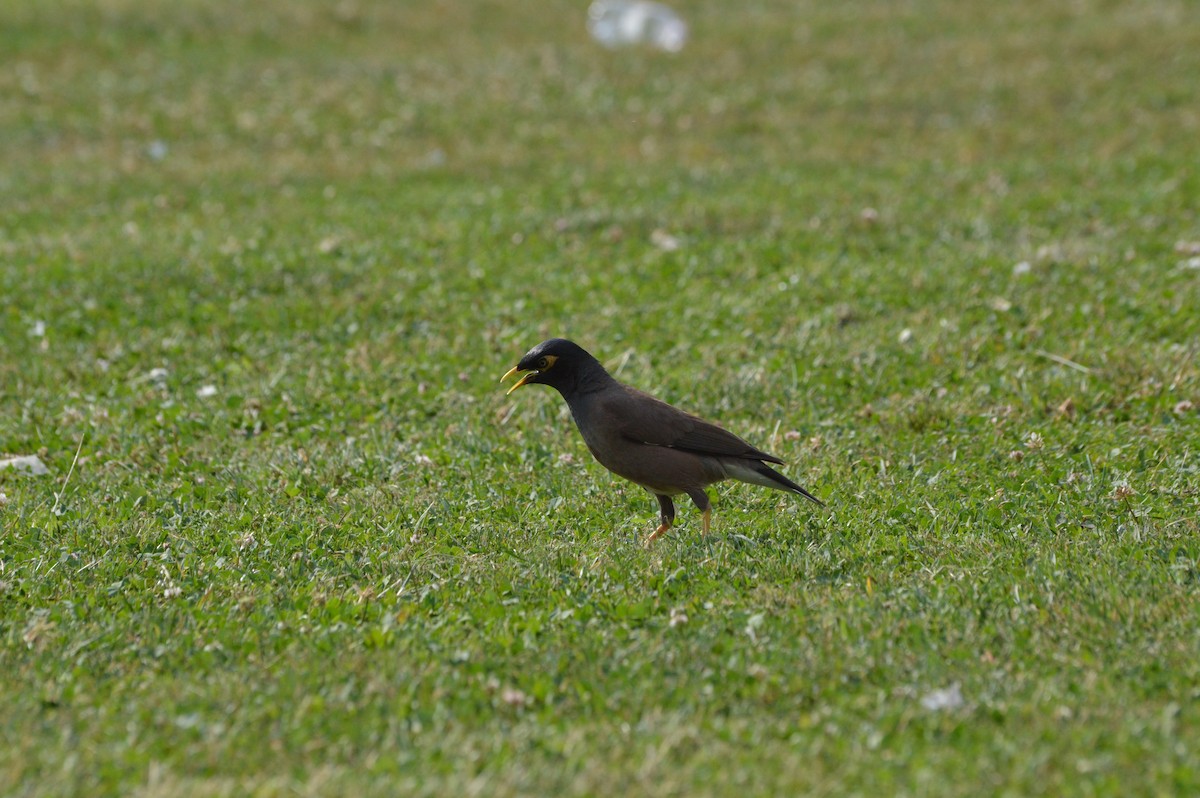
543	364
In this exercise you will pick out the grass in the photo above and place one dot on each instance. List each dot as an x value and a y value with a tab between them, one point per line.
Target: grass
941	257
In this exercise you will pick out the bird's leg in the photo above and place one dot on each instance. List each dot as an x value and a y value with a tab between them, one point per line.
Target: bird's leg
668	517
705	506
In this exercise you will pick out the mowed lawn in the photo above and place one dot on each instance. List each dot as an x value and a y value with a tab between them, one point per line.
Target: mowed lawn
263	263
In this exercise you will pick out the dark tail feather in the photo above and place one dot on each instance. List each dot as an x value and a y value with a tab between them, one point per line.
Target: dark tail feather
772	474
760	473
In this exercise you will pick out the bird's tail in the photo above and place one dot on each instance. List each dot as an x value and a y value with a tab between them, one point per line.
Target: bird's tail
759	473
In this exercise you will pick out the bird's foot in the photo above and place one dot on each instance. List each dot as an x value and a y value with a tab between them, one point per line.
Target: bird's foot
656	534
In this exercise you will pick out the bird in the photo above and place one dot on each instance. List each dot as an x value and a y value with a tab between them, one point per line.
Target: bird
643	439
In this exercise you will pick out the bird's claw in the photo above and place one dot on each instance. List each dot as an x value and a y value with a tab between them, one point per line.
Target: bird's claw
655	535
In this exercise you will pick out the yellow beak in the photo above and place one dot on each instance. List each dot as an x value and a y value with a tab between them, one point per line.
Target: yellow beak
524	379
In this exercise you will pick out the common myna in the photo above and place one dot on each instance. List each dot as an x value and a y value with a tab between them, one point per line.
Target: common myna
636	436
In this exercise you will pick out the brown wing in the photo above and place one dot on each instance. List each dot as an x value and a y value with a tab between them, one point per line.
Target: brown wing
643	419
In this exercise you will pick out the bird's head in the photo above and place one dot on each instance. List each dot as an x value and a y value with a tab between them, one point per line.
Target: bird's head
559	363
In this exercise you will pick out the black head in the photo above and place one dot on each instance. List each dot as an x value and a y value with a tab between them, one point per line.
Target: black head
561	364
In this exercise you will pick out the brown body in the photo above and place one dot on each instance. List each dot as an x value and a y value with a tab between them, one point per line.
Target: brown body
644	440
653	444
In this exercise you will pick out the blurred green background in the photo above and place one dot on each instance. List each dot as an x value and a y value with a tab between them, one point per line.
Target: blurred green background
262	264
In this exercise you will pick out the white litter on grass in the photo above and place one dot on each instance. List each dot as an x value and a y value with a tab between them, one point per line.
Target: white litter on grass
206	391
753	624
29	464
38	329
620	23
1021	268
434	158
905	336
157	375
514	697
943	700
1000	304
664	241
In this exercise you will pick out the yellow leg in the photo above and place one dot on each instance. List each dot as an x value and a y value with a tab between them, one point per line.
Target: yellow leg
658	533
668	517
700	498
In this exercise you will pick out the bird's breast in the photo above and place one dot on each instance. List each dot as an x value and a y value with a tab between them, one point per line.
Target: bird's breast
592	429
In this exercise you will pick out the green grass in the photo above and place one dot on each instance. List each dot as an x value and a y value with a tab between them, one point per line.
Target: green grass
358	568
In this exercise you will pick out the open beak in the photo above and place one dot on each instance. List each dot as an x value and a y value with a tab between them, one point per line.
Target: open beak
526	377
